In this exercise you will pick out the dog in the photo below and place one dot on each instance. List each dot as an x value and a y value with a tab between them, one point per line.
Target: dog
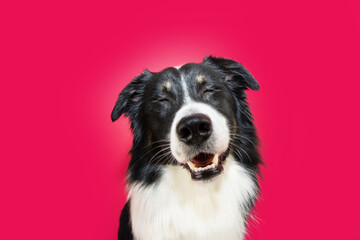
194	165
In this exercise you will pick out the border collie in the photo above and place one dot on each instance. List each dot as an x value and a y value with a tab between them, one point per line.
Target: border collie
194	166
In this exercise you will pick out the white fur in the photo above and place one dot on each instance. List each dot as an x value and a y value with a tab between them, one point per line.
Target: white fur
179	208
184	86
218	141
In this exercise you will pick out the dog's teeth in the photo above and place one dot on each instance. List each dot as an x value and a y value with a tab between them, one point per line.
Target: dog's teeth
216	159
191	165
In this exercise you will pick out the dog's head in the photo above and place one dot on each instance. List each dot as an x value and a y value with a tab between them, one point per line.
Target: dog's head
192	116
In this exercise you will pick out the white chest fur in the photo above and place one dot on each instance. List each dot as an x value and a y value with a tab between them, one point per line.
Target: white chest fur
176	207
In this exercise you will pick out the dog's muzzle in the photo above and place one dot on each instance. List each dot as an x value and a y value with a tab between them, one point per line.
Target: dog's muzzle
194	131
199	140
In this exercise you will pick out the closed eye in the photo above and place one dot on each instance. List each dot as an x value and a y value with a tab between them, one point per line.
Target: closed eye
209	90
164	100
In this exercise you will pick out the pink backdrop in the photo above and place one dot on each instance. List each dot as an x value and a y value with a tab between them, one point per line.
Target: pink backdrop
64	63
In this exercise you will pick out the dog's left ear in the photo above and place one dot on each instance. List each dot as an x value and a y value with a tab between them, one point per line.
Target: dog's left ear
232	71
128	102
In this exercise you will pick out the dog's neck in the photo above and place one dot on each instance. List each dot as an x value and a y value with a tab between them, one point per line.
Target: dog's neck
177	207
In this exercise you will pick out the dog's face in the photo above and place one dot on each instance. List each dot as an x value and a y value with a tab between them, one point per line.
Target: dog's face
192	116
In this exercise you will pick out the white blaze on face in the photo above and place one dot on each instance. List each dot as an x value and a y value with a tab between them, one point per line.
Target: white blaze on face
219	140
184	86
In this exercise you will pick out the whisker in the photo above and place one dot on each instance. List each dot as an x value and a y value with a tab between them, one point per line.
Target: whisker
241	149
161	140
157	153
238	136
246	154
159	146
237	153
161	157
156	158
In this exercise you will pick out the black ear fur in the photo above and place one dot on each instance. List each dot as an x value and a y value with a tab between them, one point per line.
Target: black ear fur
129	99
233	71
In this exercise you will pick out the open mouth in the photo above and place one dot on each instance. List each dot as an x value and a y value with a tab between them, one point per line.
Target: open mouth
206	165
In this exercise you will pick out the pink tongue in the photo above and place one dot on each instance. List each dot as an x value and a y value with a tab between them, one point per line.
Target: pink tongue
202	159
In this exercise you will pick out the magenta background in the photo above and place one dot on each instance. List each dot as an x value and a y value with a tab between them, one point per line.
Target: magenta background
63	64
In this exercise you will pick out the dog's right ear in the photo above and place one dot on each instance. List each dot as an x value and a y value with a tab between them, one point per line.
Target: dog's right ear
128	101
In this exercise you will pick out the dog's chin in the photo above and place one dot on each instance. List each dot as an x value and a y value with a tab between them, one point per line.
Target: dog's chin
205	166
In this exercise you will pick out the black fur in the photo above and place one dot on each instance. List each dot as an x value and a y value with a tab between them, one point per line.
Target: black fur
151	109
125	223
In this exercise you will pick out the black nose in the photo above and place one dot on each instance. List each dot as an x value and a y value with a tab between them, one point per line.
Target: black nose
194	129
